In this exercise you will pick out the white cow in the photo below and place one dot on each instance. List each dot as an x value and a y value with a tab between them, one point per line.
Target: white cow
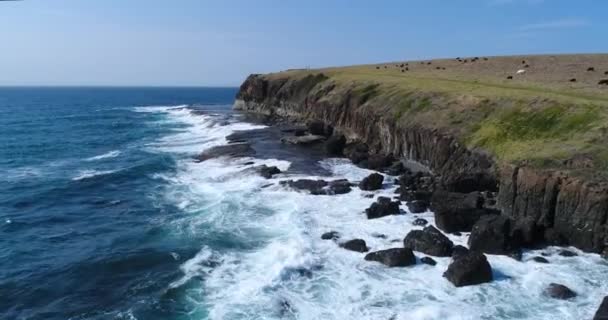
521	71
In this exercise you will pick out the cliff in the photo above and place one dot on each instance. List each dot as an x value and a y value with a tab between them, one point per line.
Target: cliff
541	145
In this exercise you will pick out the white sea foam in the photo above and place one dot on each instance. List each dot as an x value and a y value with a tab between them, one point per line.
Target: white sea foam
87	174
107	155
283	270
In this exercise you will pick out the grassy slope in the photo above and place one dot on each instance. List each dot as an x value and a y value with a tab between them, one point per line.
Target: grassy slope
540	117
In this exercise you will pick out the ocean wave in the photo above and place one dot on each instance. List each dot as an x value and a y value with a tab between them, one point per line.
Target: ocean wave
87	174
159	109
111	154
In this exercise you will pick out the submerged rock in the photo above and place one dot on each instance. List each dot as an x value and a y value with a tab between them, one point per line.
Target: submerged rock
567	253
559	291
428	260
420	222
331	235
268	172
396	257
540	260
236	150
372	182
382	207
357	245
470	269
430	241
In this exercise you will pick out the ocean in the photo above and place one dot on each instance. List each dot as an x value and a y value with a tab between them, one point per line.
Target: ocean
104	214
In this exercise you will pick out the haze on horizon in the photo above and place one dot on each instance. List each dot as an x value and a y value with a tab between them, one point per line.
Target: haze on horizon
218	43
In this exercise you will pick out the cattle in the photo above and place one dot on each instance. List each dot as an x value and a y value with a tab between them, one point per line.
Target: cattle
573	80
510	77
606	73
377	68
603	82
485	59
521	71
523	62
591	69
527	66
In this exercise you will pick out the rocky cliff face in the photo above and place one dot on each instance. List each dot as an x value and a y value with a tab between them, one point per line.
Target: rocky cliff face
569	210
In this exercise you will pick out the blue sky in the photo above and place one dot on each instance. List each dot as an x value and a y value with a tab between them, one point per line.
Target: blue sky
217	43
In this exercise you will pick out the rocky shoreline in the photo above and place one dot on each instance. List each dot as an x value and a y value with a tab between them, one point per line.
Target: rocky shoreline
505	208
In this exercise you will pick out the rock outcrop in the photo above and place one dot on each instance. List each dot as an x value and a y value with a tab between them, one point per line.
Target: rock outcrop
469	269
569	209
395	257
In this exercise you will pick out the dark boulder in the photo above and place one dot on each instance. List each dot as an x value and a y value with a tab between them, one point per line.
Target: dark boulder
331	235
527	232
567	253
459	251
492	234
428	260
382	207
602	311
420	222
559	291
378	161
372	182
267	172
356	152
417	206
395	169
540	260
410	195
340	186
334	146
396	257
320	187
470	269
430	241
458	211
357	245
319	128
235	150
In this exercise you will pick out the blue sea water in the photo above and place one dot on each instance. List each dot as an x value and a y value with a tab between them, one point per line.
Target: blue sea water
104	214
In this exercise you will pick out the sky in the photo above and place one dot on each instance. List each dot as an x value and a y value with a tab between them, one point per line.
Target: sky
218	43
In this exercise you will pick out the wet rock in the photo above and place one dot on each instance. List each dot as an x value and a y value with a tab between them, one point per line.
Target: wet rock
527	232
559	291
295	130
458	211
414	195
492	234
320	187
567	253
378	161
356	152
428	260
459	251
236	150
340	186
382	207
516	255
357	245
539	259
602	311
331	235
420	222
417	206
470	269
395	169
372	182
396	257
303	140
379	235
430	241
320	128
334	146
267	172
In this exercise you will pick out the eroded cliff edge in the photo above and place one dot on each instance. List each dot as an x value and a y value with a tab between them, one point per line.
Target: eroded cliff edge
563	197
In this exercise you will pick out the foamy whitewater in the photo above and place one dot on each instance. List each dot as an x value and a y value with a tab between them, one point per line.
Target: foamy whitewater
281	269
